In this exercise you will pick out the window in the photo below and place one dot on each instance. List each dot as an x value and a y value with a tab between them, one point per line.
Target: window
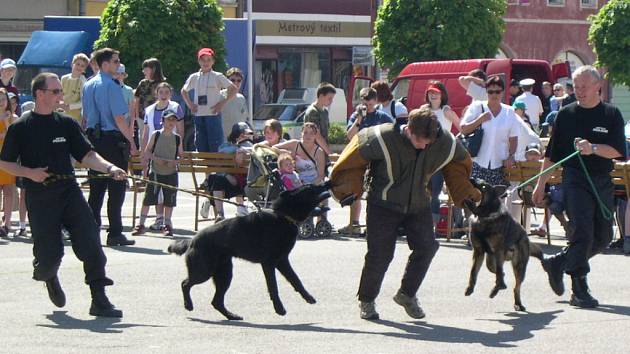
588	4
558	3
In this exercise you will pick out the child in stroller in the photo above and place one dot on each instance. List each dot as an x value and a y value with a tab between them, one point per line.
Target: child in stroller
265	183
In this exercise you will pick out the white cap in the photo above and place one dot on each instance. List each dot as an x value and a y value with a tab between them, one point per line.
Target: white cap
527	82
7	63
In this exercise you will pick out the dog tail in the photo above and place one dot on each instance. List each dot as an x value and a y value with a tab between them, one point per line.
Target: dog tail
535	250
179	247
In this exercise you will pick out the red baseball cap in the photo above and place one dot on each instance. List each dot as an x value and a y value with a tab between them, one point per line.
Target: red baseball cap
434	88
205	51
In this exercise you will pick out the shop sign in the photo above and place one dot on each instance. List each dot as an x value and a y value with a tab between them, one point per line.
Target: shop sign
313	28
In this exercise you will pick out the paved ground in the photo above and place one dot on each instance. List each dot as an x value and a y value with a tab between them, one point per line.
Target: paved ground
147	289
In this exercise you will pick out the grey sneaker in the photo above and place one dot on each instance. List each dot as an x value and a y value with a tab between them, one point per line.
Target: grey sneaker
410	304
368	310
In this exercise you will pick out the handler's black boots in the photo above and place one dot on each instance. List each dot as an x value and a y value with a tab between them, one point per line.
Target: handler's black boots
554	266
55	292
581	296
100	303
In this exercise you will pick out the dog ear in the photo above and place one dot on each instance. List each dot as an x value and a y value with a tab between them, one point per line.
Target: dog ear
471	205
500	190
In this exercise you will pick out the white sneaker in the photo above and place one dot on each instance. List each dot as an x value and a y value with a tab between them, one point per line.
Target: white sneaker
241	210
205	209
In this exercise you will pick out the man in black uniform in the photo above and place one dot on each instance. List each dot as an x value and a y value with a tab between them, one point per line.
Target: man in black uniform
104	109
596	129
43	141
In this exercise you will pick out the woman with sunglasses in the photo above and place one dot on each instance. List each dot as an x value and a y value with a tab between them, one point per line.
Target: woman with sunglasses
500	133
235	110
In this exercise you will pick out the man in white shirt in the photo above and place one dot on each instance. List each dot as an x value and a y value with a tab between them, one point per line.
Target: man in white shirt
532	102
475	84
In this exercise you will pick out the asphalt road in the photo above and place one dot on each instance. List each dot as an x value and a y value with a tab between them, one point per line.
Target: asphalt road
147	289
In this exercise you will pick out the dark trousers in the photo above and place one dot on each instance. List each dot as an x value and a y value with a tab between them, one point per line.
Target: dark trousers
115	150
381	241
60	205
590	231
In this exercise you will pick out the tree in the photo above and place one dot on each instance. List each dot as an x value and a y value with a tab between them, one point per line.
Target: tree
407	31
610	39
170	30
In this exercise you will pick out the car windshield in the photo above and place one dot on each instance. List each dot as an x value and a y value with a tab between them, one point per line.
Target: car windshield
280	112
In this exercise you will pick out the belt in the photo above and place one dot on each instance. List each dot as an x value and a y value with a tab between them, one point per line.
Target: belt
115	133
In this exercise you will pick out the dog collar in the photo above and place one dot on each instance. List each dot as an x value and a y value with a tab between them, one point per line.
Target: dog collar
290	219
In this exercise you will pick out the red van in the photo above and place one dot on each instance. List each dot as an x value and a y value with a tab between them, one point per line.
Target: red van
412	80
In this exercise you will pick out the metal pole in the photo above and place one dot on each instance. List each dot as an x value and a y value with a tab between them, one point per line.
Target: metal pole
250	63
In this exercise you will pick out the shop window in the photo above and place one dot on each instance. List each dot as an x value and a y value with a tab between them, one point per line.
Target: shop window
342	73
574	60
303	67
588	4
265	83
558	3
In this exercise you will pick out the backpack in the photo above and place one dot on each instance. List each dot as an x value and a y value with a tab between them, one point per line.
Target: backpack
177	141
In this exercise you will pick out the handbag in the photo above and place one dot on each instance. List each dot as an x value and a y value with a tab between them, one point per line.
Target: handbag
472	141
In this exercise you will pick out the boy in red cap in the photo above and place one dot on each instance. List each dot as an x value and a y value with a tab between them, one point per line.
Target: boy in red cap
207	102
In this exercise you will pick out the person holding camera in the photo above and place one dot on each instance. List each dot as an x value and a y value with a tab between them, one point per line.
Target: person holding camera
365	115
207	102
104	108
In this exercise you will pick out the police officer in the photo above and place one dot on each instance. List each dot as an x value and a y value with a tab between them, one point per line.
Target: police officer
43	141
596	128
104	108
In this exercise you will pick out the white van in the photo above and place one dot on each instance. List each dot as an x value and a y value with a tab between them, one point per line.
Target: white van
290	108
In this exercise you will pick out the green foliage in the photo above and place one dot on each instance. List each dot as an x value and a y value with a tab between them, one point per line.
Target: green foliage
337	133
170	30
408	31
610	37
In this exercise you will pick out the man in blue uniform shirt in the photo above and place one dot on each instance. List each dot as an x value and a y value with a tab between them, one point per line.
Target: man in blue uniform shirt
104	108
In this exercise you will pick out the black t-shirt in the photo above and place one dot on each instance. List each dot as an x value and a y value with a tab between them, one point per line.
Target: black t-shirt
45	141
602	124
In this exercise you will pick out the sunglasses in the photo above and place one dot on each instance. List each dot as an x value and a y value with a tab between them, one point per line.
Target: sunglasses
236	80
54	91
494	92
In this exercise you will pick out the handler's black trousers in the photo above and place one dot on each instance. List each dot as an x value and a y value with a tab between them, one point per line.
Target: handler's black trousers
381	241
63	204
114	149
589	232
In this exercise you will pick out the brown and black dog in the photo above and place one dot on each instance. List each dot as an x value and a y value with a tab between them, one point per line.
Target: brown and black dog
497	235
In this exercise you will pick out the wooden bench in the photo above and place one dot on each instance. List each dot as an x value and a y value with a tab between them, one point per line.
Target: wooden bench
200	164
135	168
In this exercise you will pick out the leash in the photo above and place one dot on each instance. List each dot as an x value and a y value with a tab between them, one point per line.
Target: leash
606	213
53	177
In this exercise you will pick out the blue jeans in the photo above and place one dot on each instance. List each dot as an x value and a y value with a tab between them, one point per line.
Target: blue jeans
437	181
208	133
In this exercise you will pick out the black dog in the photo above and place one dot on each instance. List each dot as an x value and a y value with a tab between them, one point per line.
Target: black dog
497	235
266	237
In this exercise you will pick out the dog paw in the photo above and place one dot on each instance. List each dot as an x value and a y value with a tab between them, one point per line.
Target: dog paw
188	306
469	290
519	307
233	317
281	311
496	289
309	298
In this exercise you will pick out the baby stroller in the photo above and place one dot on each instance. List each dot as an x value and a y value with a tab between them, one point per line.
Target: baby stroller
264	185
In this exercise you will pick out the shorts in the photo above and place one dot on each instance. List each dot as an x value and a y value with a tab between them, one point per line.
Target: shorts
152	193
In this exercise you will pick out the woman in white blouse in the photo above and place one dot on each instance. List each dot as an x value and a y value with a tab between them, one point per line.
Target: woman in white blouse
500	137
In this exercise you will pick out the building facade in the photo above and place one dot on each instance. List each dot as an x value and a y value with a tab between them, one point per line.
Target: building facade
302	43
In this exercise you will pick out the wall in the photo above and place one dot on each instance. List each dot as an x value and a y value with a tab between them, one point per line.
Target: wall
538	31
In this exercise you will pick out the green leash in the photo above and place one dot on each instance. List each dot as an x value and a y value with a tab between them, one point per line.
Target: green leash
606	213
